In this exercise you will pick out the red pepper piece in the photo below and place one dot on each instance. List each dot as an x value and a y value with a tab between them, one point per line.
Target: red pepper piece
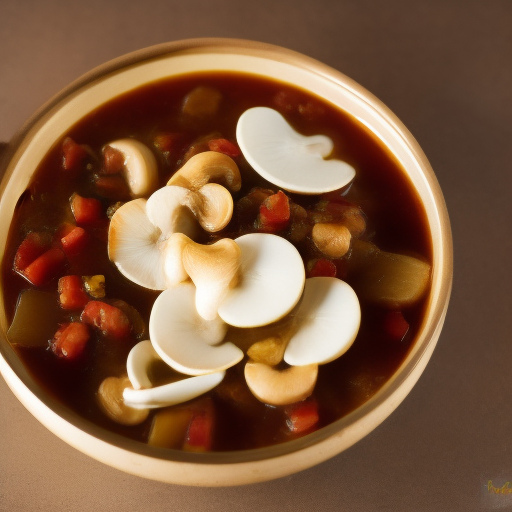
71	293
86	210
70	340
73	154
302	416
224	146
64	230
274	213
44	268
113	160
322	268
74	242
200	430
395	325
31	248
111	321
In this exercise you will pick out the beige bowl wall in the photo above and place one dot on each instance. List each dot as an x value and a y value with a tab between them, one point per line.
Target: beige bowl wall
139	68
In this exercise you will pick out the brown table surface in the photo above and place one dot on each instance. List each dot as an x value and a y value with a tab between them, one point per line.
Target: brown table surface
445	68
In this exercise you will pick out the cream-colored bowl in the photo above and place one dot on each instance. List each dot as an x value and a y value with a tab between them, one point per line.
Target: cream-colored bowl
54	119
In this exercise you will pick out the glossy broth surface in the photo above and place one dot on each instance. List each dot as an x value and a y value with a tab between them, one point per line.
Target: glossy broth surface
396	222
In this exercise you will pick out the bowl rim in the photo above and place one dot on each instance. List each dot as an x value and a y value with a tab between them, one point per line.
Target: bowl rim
393	392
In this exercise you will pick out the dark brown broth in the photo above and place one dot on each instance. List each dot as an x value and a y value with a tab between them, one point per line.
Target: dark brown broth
396	222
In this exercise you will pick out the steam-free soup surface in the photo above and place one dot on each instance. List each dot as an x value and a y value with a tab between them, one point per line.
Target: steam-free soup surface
156	116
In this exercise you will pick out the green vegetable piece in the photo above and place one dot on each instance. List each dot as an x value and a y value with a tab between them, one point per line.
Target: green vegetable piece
94	286
35	320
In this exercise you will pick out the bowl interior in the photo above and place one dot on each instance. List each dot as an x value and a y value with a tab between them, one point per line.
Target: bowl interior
138	69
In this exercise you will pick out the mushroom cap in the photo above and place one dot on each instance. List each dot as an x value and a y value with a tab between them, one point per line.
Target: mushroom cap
173	393
135	251
184	340
141	169
140	358
206	167
326	321
271	281
168	209
286	158
280	387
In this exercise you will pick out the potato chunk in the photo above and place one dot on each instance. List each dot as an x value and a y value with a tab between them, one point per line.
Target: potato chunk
392	280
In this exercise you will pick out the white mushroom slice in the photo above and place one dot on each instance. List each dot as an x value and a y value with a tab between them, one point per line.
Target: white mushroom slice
133	245
286	158
173	393
139	360
327	322
168	209
139	230
280	387
206	167
173	209
213	207
214	270
185	340
271	283
140	166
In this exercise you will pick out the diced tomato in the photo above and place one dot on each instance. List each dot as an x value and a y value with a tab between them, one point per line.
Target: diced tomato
274	213
168	142
200	430
86	210
31	248
113	160
395	325
71	293
70	340
44	268
111	321
322	268
224	146
75	241
73	154
302	416
64	229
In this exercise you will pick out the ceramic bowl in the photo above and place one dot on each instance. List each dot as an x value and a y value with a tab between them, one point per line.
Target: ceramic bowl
55	118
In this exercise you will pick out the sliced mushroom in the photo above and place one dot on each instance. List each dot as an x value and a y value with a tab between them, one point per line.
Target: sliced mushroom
185	340
140	166
326	322
139	230
134	245
173	393
110	398
206	167
280	387
331	239
272	278
140	358
286	158
214	270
